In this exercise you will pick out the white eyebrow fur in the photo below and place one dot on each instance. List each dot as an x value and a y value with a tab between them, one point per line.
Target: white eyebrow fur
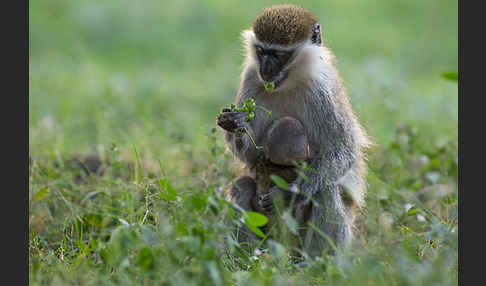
311	60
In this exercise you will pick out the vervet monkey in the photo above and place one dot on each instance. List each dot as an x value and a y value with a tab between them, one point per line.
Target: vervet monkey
311	120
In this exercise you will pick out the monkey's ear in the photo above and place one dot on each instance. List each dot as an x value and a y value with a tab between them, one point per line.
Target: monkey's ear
316	34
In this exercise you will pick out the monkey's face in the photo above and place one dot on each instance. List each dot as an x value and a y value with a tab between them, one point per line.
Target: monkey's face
273	64
277	33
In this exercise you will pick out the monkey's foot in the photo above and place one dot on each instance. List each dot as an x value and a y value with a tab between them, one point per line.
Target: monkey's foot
265	203
268	200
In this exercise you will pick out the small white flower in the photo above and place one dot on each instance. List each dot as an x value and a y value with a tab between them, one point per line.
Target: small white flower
433	177
408	207
258	251
124	222
293	188
420	217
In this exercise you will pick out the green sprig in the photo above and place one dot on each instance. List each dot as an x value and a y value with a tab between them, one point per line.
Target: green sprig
270	86
250	106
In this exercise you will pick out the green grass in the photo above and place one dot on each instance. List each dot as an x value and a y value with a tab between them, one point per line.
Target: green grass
139	84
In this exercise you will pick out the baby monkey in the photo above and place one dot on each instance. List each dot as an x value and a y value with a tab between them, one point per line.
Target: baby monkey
284	146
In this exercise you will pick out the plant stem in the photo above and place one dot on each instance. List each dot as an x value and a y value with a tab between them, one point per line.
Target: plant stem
251	138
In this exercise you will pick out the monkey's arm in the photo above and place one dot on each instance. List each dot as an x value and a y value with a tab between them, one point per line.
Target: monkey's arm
328	221
242	146
334	133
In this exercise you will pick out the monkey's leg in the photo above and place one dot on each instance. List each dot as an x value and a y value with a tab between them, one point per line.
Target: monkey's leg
331	218
244	193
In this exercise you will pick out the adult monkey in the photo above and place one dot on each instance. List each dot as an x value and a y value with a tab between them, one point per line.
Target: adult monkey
311	120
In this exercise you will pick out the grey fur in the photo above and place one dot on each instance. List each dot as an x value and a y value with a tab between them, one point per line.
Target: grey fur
285	142
313	94
243	192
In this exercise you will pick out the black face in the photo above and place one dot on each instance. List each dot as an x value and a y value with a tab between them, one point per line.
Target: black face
272	63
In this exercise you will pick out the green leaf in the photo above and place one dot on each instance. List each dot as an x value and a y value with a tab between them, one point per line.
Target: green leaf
250	116
195	202
138	168
256	230
256	219
412	211
303	176
281	183
145	259
41	194
276	250
253	220
269	114
214	273
417	185
170	193
290	222
93	219
450	75
148	235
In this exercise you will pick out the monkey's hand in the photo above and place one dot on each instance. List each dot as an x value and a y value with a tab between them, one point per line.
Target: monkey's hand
265	202
232	121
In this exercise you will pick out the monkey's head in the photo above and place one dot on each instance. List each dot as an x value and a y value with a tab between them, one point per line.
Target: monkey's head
276	38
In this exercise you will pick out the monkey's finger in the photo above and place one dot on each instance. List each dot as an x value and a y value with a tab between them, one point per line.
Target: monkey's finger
265	200
242	114
230	115
240	117
226	116
269	209
225	110
240	121
226	124
240	129
234	114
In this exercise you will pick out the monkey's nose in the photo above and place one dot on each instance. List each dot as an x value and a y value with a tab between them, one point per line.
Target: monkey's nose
267	77
267	70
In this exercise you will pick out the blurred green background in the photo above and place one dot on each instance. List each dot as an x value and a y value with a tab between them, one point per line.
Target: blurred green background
154	74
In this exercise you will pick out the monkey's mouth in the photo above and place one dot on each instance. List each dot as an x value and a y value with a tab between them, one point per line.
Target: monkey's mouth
271	86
